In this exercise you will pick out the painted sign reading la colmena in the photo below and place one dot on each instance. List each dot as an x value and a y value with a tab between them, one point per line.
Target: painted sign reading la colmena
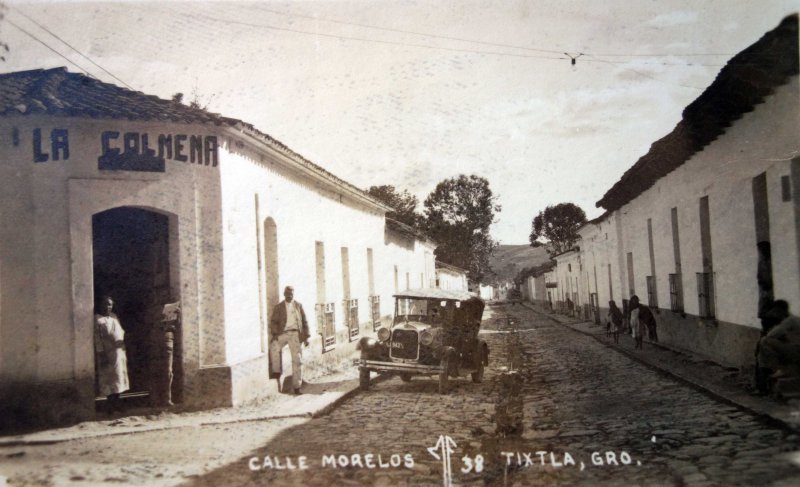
132	151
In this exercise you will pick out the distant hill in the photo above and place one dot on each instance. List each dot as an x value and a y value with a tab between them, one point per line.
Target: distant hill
508	260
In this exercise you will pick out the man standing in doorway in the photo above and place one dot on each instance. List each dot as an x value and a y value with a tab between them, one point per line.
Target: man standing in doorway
288	326
165	319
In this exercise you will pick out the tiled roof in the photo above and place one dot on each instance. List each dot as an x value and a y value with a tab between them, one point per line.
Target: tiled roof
441	265
573	249
743	83
406	230
58	92
543	268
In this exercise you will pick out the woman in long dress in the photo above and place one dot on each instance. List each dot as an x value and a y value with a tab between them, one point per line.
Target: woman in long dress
637	327
112	362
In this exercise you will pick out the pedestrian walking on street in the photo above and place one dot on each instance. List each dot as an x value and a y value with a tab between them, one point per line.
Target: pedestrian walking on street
112	362
614	320
637	327
648	322
288	326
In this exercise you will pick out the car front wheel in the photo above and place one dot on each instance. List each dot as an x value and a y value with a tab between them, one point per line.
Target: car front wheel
405	377
363	378
443	376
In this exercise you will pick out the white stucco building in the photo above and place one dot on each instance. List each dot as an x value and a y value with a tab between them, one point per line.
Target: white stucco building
568	273
540	287
451	277
708	219
410	257
109	191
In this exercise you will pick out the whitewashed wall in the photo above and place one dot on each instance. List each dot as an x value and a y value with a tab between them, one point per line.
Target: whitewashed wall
46	290
569	276
304	213
763	140
451	280
217	235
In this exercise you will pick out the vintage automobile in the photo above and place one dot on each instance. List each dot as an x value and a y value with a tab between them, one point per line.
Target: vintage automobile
434	332
514	296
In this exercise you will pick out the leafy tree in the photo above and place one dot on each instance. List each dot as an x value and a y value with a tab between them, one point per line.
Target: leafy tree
527	272
458	214
523	274
557	226
404	204
3	45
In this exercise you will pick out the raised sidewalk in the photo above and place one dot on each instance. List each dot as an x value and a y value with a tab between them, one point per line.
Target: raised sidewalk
724	383
321	394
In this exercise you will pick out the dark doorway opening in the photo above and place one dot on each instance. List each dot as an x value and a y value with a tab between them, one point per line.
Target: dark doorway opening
131	258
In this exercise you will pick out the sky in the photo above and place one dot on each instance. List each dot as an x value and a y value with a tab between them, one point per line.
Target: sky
410	93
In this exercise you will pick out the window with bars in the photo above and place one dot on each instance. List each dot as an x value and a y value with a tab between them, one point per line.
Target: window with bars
675	293
351	317
326	325
652	296
705	294
375	304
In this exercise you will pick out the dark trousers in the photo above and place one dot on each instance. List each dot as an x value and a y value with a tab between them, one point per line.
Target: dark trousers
652	333
762	373
161	392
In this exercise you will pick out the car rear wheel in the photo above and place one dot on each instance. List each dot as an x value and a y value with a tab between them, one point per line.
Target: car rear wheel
477	376
406	377
443	379
363	378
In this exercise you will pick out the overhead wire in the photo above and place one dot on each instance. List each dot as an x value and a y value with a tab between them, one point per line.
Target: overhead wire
71	47
645	75
590	57
401	31
84	70
364	39
495	44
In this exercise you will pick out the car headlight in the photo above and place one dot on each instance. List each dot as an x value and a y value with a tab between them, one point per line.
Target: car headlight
383	334
426	338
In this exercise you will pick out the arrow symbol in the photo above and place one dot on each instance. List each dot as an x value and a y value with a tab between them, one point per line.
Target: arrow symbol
432	450
445	444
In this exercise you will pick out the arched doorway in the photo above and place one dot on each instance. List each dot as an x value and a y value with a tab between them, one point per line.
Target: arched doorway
132	264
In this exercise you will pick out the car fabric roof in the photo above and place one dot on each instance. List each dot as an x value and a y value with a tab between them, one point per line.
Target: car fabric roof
435	293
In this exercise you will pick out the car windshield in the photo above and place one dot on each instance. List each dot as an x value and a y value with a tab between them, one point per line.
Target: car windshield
424	310
412	307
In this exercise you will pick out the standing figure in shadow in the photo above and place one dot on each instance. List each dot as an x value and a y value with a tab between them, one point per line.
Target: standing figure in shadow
637	327
614	320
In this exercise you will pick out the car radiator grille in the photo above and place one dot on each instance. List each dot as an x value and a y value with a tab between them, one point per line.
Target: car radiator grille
404	344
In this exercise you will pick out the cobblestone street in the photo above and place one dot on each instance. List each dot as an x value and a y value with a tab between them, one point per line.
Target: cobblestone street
600	417
592	416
